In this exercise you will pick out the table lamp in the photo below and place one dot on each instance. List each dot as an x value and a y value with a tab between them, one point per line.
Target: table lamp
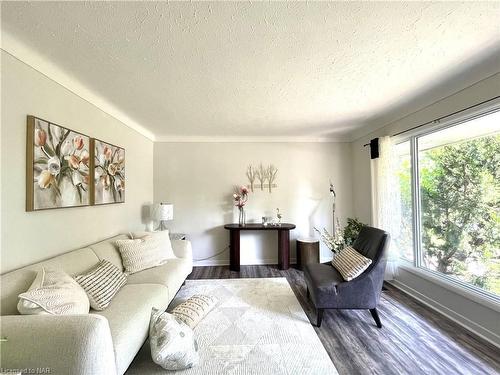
162	212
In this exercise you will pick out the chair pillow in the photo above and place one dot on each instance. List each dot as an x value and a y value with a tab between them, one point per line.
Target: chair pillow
102	283
350	263
195	309
142	253
163	237
172	343
53	292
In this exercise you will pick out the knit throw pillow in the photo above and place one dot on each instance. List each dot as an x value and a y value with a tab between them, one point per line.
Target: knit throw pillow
195	309
162	236
102	283
141	253
350	263
53	292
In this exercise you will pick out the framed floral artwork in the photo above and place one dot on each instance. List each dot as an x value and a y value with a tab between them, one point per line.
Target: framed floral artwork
109	173
57	166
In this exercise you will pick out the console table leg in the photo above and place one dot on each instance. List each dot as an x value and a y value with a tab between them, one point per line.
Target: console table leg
234	250
283	249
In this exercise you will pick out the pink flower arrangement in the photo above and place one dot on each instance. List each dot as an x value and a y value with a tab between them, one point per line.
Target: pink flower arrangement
240	196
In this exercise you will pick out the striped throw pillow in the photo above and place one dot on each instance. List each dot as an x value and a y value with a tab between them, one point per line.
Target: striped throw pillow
194	309
102	283
141	253
350	263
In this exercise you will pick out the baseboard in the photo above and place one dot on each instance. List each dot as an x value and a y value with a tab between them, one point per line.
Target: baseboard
466	323
210	262
225	262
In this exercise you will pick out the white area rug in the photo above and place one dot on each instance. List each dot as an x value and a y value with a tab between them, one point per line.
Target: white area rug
258	327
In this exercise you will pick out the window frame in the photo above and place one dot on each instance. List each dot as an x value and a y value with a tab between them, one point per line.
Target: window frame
478	294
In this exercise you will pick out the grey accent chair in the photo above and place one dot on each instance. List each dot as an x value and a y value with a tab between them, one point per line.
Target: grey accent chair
328	290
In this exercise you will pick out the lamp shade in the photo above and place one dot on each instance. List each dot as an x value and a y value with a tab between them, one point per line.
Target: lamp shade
163	211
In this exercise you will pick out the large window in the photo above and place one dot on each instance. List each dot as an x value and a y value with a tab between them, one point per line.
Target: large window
449	182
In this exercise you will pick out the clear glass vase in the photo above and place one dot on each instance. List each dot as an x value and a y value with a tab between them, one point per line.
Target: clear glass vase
242	217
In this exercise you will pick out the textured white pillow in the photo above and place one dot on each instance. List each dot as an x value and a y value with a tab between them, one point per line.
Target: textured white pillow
350	263
140	254
163	238
101	283
53	292
172	342
195	309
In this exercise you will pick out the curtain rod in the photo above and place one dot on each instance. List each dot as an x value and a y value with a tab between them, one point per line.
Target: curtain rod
443	117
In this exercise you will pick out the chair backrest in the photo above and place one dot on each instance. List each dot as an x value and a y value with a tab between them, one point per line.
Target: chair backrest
372	243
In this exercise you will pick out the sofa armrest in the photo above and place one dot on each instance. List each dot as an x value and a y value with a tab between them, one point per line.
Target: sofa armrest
182	249
63	344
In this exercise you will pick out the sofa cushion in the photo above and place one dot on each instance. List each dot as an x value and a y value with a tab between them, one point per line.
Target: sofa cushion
16	282
108	250
171	274
128	316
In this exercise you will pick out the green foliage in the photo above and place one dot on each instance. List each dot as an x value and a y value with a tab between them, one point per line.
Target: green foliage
460	200
351	231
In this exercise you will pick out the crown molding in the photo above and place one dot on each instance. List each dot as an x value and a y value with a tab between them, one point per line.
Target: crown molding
249	139
18	50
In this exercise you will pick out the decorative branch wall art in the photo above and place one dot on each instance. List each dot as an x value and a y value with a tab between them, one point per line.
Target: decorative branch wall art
263	177
57	166
109	173
251	175
272	171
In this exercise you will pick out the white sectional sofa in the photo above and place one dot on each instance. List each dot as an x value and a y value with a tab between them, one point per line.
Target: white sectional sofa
102	342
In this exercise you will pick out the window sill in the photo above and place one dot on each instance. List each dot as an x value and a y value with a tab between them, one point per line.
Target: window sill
453	286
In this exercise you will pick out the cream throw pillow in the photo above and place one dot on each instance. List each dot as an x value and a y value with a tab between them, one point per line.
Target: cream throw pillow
195	309
140	254
350	263
53	292
101	283
172	343
162	237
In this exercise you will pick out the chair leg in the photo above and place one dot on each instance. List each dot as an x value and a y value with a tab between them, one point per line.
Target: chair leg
319	313
376	317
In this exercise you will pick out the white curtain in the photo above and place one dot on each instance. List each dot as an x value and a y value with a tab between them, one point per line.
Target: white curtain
386	206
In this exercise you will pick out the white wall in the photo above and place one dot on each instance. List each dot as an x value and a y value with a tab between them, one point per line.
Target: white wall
198	178
480	318
27	237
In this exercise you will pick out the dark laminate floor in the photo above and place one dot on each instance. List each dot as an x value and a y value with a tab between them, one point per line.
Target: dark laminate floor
414	339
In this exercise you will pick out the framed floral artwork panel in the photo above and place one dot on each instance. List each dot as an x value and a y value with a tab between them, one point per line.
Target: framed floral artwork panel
57	166
109	173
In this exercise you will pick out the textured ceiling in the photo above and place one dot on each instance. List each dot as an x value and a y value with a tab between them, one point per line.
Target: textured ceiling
252	69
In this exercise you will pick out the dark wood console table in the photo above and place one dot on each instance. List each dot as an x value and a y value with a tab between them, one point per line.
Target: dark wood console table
283	242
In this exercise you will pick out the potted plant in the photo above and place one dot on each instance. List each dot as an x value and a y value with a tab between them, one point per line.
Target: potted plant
342	237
